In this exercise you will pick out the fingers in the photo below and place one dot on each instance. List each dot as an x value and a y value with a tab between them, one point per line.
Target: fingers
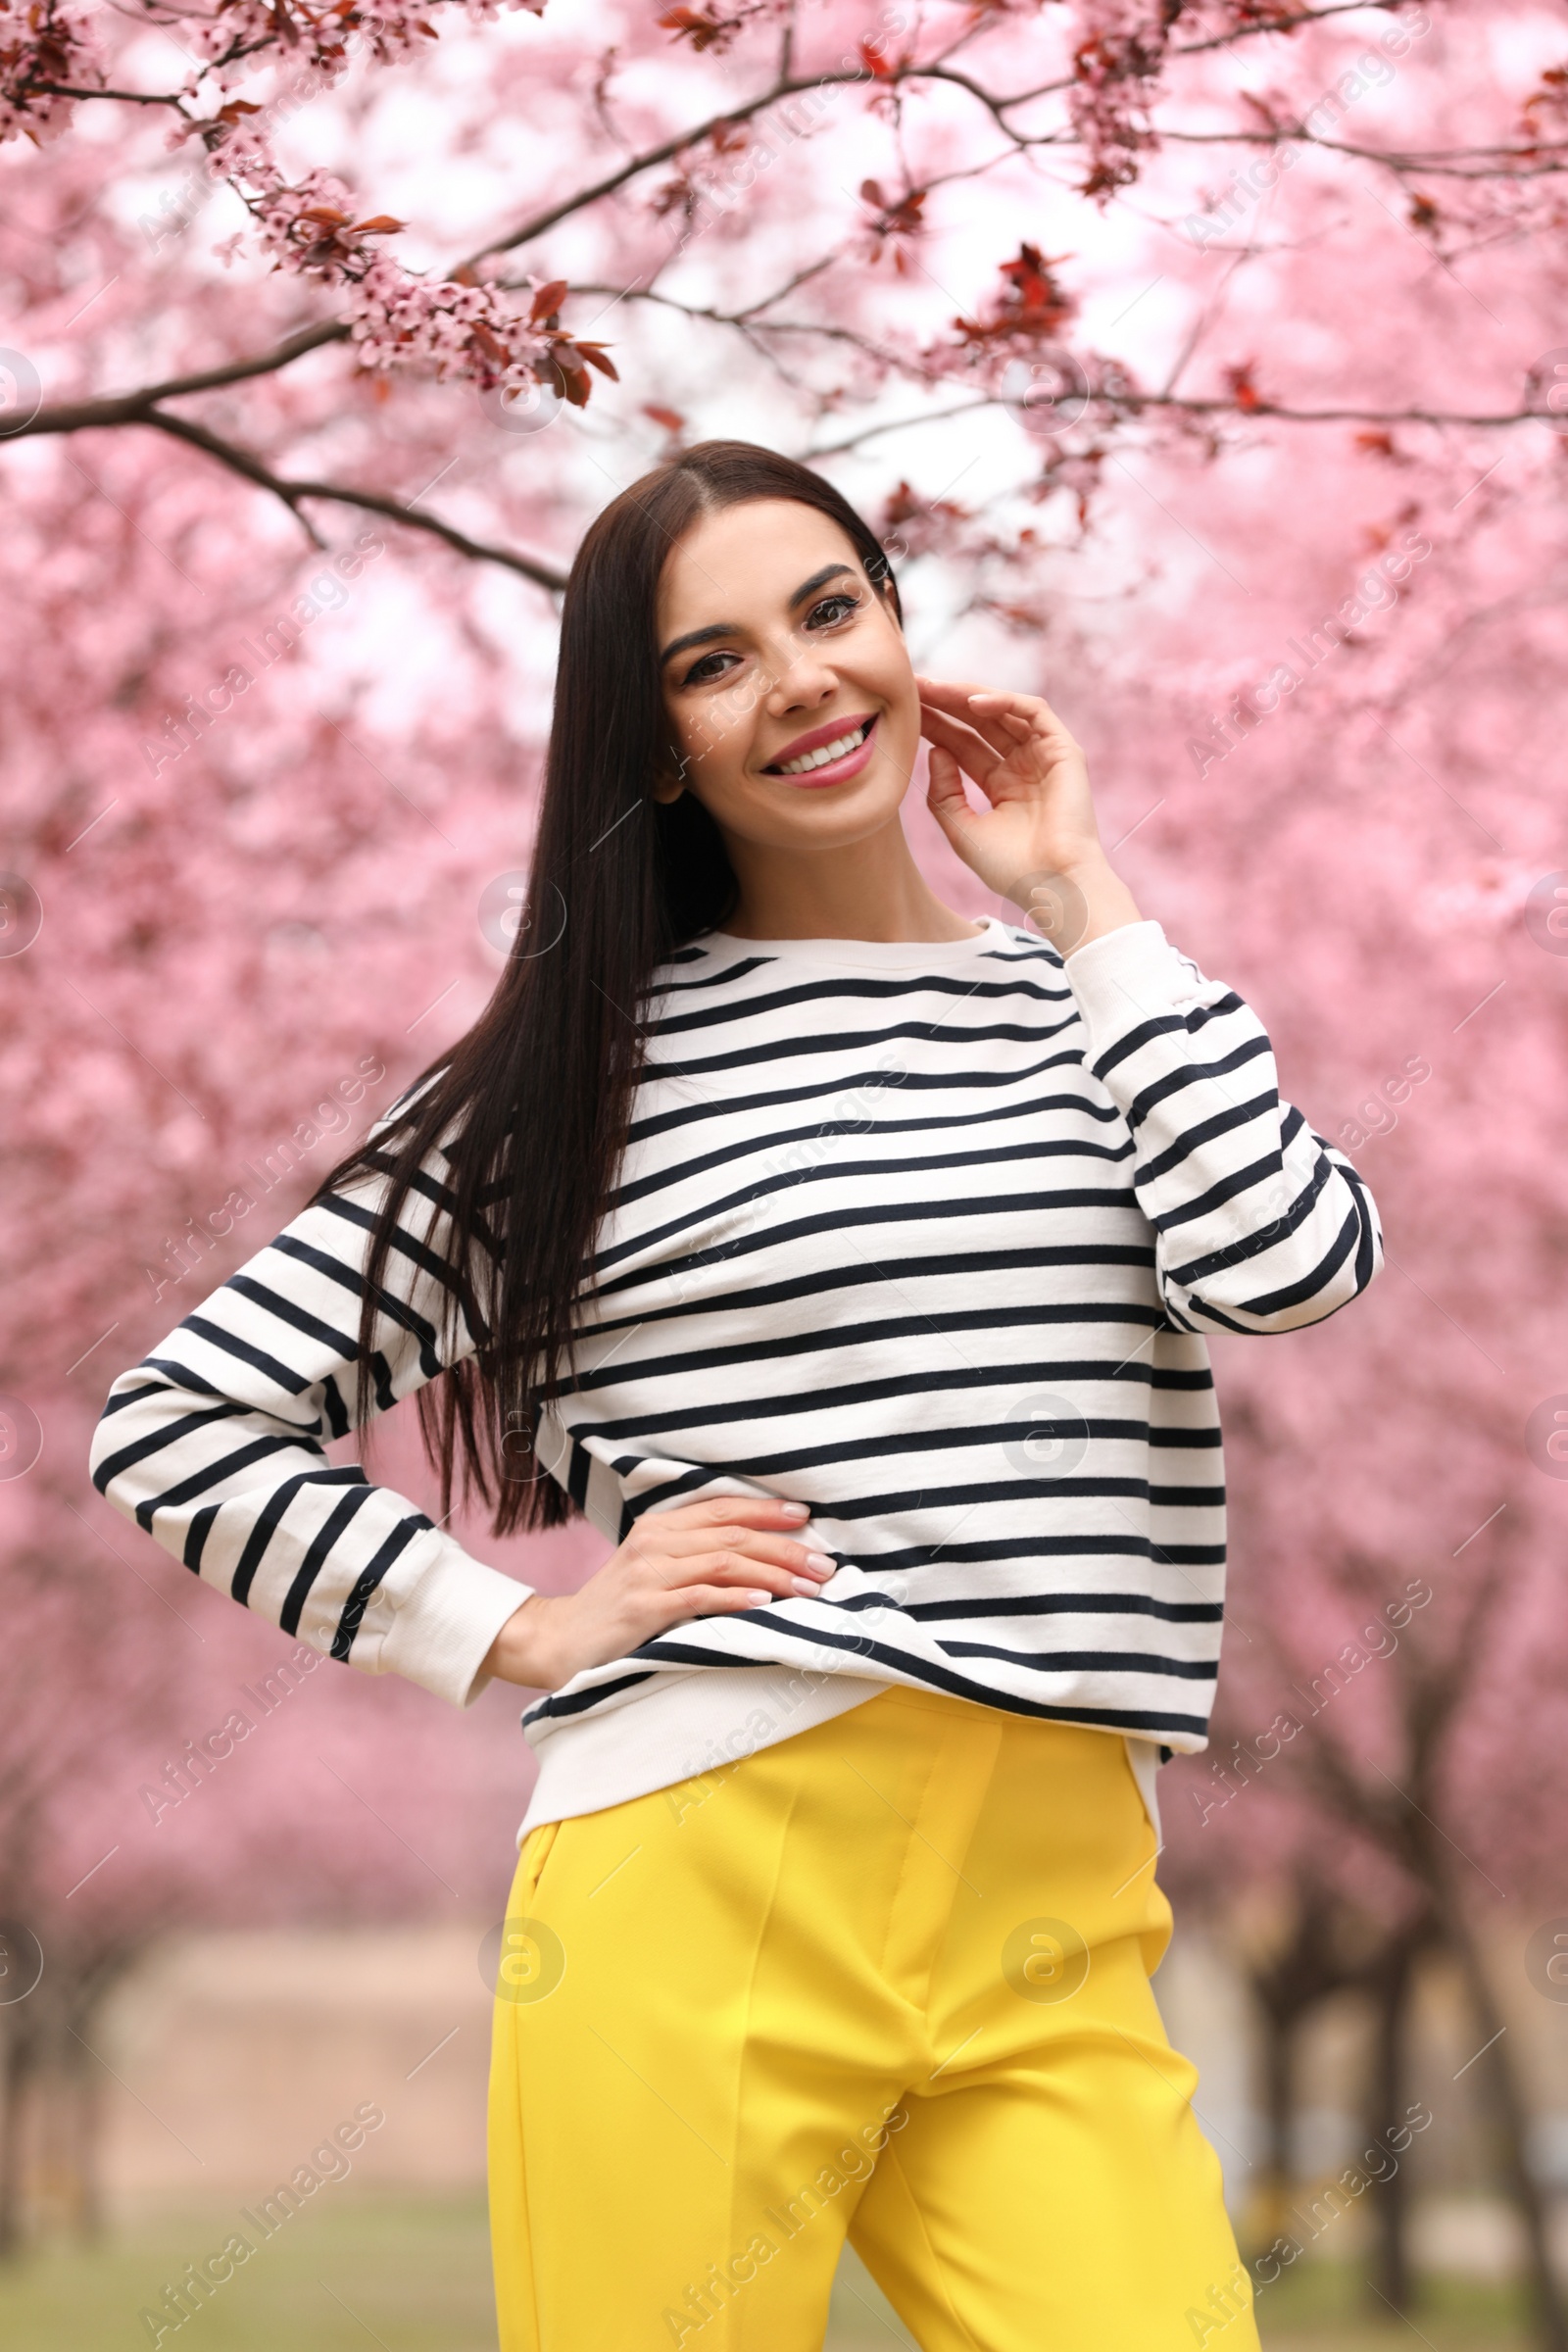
1002	719
758	1523
719	1555
726	1552
717	1600
945	791
975	754
951	694
744	1553
758	1510
1014	719
956	696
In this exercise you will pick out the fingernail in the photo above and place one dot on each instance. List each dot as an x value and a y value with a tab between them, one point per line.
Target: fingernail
804	1584
821	1563
757	1601
798	1511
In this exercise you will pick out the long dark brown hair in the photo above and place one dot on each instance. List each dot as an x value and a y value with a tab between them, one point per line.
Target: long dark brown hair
532	1106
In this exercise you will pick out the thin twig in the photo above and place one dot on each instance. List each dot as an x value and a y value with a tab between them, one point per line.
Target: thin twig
374	502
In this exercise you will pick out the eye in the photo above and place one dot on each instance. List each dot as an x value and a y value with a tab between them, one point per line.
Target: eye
828	611
704	671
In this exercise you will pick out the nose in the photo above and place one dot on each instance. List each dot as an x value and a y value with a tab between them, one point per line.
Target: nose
803	680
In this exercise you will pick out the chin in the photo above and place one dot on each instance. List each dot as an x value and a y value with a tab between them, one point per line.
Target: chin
838	820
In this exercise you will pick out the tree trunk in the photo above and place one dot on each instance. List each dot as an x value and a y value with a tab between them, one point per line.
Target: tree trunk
16	2074
1390	1985
1273	2194
79	2091
1549	2315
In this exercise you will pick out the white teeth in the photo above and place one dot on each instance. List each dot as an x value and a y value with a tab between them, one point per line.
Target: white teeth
826	751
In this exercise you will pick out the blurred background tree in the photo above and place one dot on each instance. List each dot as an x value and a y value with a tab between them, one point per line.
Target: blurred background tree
1198	365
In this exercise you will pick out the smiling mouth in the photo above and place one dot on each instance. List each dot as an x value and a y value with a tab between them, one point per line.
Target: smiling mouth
826	754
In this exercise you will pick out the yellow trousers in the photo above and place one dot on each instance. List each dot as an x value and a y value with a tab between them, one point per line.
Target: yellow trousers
887	1978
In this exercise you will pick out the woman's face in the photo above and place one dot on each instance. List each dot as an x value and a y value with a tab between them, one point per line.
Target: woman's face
787	683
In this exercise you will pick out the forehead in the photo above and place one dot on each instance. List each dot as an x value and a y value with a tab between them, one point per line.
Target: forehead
744	562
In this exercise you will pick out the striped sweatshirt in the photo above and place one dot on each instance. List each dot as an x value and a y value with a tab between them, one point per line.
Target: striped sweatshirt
926	1235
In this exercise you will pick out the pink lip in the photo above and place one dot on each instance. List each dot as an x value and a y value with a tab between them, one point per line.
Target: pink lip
836	770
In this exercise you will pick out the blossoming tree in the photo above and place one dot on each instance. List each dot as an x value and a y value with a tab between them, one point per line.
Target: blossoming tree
1198	362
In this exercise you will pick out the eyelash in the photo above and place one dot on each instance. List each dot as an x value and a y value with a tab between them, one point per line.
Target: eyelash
843	597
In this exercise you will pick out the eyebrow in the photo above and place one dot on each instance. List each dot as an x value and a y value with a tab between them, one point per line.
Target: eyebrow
730	628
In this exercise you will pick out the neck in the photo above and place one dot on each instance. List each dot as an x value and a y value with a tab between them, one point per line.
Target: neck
869	889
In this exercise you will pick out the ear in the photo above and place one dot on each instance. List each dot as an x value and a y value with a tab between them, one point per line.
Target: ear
670	777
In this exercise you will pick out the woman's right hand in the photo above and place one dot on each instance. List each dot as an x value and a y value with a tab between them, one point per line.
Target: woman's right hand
701	1559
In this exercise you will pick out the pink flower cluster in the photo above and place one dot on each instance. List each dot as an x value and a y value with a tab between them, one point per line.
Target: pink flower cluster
397	319
458	327
237	31
1119	56
45	46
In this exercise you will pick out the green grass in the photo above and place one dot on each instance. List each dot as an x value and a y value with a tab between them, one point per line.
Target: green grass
415	2277
1322	2304
415	2273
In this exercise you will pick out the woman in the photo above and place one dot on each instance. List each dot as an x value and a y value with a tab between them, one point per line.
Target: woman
847	1263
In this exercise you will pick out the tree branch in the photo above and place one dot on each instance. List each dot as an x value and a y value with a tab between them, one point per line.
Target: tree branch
60	89
142	407
1224	40
1135	402
130	407
1107	401
1490	163
785	87
251	468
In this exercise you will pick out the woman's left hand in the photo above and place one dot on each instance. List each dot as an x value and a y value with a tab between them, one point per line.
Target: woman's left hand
1041	822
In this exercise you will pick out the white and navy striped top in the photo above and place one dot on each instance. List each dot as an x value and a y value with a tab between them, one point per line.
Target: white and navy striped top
924	1235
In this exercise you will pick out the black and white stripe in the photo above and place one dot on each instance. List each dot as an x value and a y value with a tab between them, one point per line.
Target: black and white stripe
886	1210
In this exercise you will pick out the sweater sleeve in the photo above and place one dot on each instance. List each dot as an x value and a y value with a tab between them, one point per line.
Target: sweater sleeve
215	1445
1259	1224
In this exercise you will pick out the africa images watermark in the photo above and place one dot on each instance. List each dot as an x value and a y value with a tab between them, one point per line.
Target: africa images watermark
183	1775
1370	71
1228	2300
849	1112
184	1251
177	207
199	2282
1377	592
795	118
324	594
722	1758
1234	1772
703	2301
745	156
1375	1115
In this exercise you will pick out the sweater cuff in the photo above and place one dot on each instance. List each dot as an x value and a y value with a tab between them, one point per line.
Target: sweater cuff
442	1631
1128	975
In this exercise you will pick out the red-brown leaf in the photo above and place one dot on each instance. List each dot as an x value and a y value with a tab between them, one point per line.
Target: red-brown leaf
694	24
